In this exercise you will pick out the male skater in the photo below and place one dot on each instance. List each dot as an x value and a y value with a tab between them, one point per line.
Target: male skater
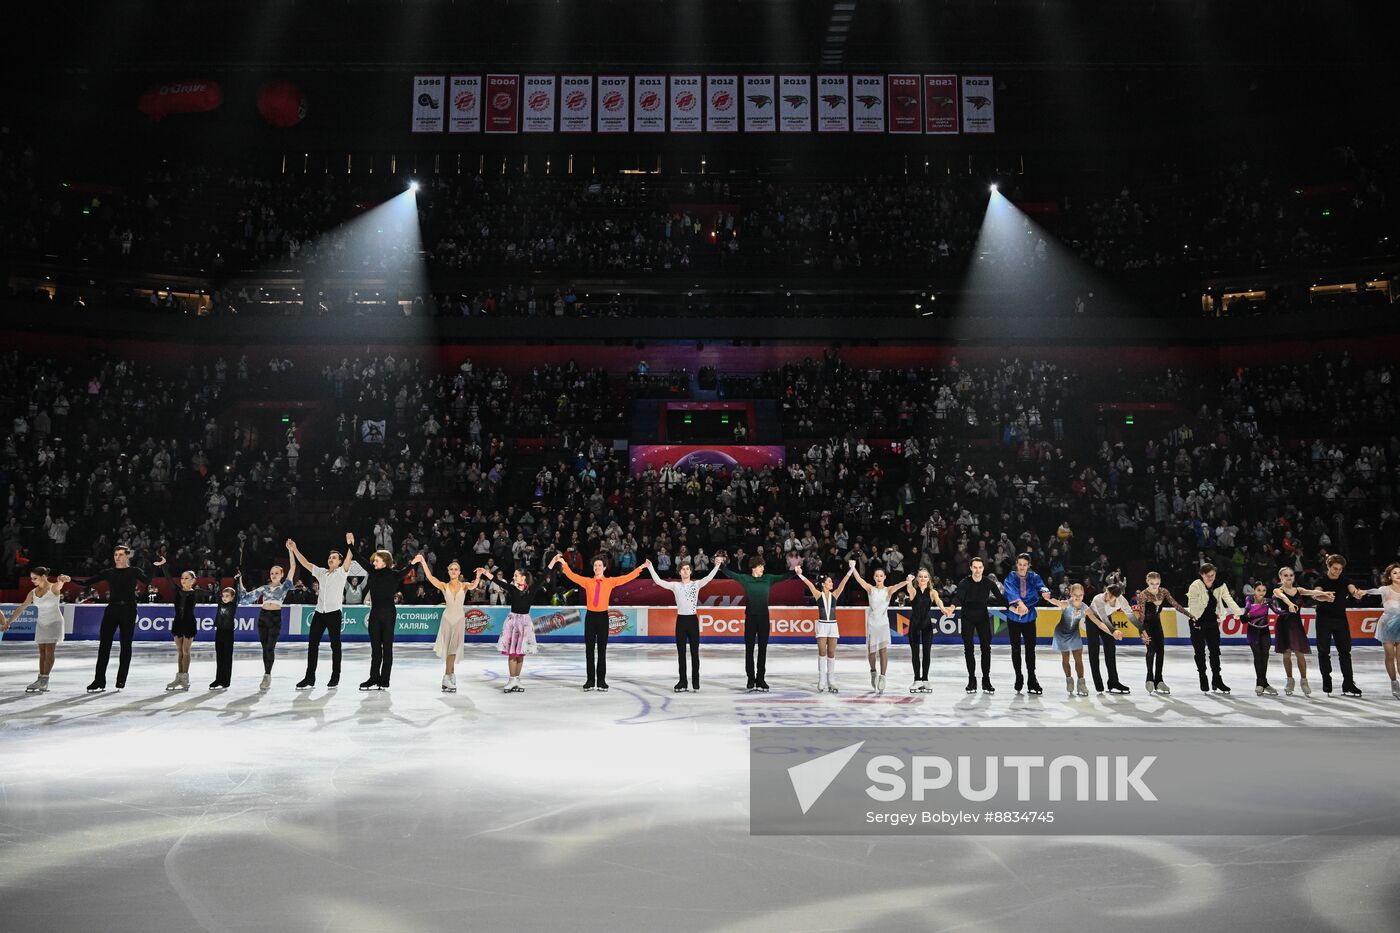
330	605
125	584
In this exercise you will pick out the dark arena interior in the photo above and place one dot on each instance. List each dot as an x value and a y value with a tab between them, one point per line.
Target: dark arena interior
700	465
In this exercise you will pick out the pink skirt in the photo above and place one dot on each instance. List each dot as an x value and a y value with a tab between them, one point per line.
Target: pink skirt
517	636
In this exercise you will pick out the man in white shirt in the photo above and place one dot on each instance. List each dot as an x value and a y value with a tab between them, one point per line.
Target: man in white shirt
330	603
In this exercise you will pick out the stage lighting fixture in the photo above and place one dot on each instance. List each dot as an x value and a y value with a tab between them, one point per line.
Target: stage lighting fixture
994	188
413	186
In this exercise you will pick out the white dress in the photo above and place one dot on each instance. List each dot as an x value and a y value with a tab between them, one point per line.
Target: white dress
48	628
877	619
453	627
1388	625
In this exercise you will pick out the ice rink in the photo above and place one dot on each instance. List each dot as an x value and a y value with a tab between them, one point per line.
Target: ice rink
554	809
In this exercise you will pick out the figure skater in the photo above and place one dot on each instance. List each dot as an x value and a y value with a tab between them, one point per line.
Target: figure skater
1290	636
828	633
877	621
1388	625
597	596
1257	608
687	595
183	627
269	599
924	597
1074	612
1104	605
518	633
452	630
1148	608
124	583
757	587
976	593
45	593
1205	603
1026	587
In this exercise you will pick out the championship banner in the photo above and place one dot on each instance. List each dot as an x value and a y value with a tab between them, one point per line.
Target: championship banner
904	98
795	104
940	104
722	104
833	104
503	103
649	104
685	103
464	113
576	104
614	114
868	103
759	110
978	104
428	113
540	92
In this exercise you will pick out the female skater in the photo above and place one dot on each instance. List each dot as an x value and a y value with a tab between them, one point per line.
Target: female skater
452	630
976	593
269	599
828	632
225	622
687	594
924	596
1073	613
518	633
1256	630
1290	637
182	628
48	627
877	621
1148	608
1388	626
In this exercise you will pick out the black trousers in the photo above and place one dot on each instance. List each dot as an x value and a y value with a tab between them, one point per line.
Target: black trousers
269	630
116	617
1097	636
321	624
756	637
688	633
1328	631
982	628
1156	650
382	622
223	655
1260	649
1022	636
595	640
1206	637
920	648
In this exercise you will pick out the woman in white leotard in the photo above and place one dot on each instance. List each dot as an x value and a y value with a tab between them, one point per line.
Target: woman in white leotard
451	637
48	628
877	621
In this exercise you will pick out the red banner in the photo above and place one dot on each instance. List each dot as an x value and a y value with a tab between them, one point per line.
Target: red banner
903	100
728	622
181	97
503	103
940	104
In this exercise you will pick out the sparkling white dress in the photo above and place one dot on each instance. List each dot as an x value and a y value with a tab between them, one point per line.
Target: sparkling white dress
877	619
48	628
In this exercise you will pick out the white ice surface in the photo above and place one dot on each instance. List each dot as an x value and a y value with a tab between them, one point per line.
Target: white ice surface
558	810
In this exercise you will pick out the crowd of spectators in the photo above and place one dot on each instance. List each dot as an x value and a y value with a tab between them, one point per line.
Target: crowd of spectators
1251	468
1259	214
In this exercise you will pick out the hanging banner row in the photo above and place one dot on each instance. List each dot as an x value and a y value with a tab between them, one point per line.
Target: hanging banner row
513	103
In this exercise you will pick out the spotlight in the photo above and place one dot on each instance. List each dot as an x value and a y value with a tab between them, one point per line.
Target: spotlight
994	188
413	186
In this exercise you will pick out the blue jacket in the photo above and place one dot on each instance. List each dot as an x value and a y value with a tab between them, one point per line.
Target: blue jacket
1011	589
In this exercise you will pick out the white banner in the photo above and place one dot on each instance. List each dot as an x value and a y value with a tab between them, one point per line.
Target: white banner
464	105
868	103
576	104
540	91
685	103
795	103
833	104
429	115
649	104
760	110
978	104
722	104
614	112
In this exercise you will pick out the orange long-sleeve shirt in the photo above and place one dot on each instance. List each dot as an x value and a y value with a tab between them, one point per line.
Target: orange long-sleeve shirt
598	590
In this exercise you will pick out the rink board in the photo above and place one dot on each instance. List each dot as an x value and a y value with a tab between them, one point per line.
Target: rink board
82	622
